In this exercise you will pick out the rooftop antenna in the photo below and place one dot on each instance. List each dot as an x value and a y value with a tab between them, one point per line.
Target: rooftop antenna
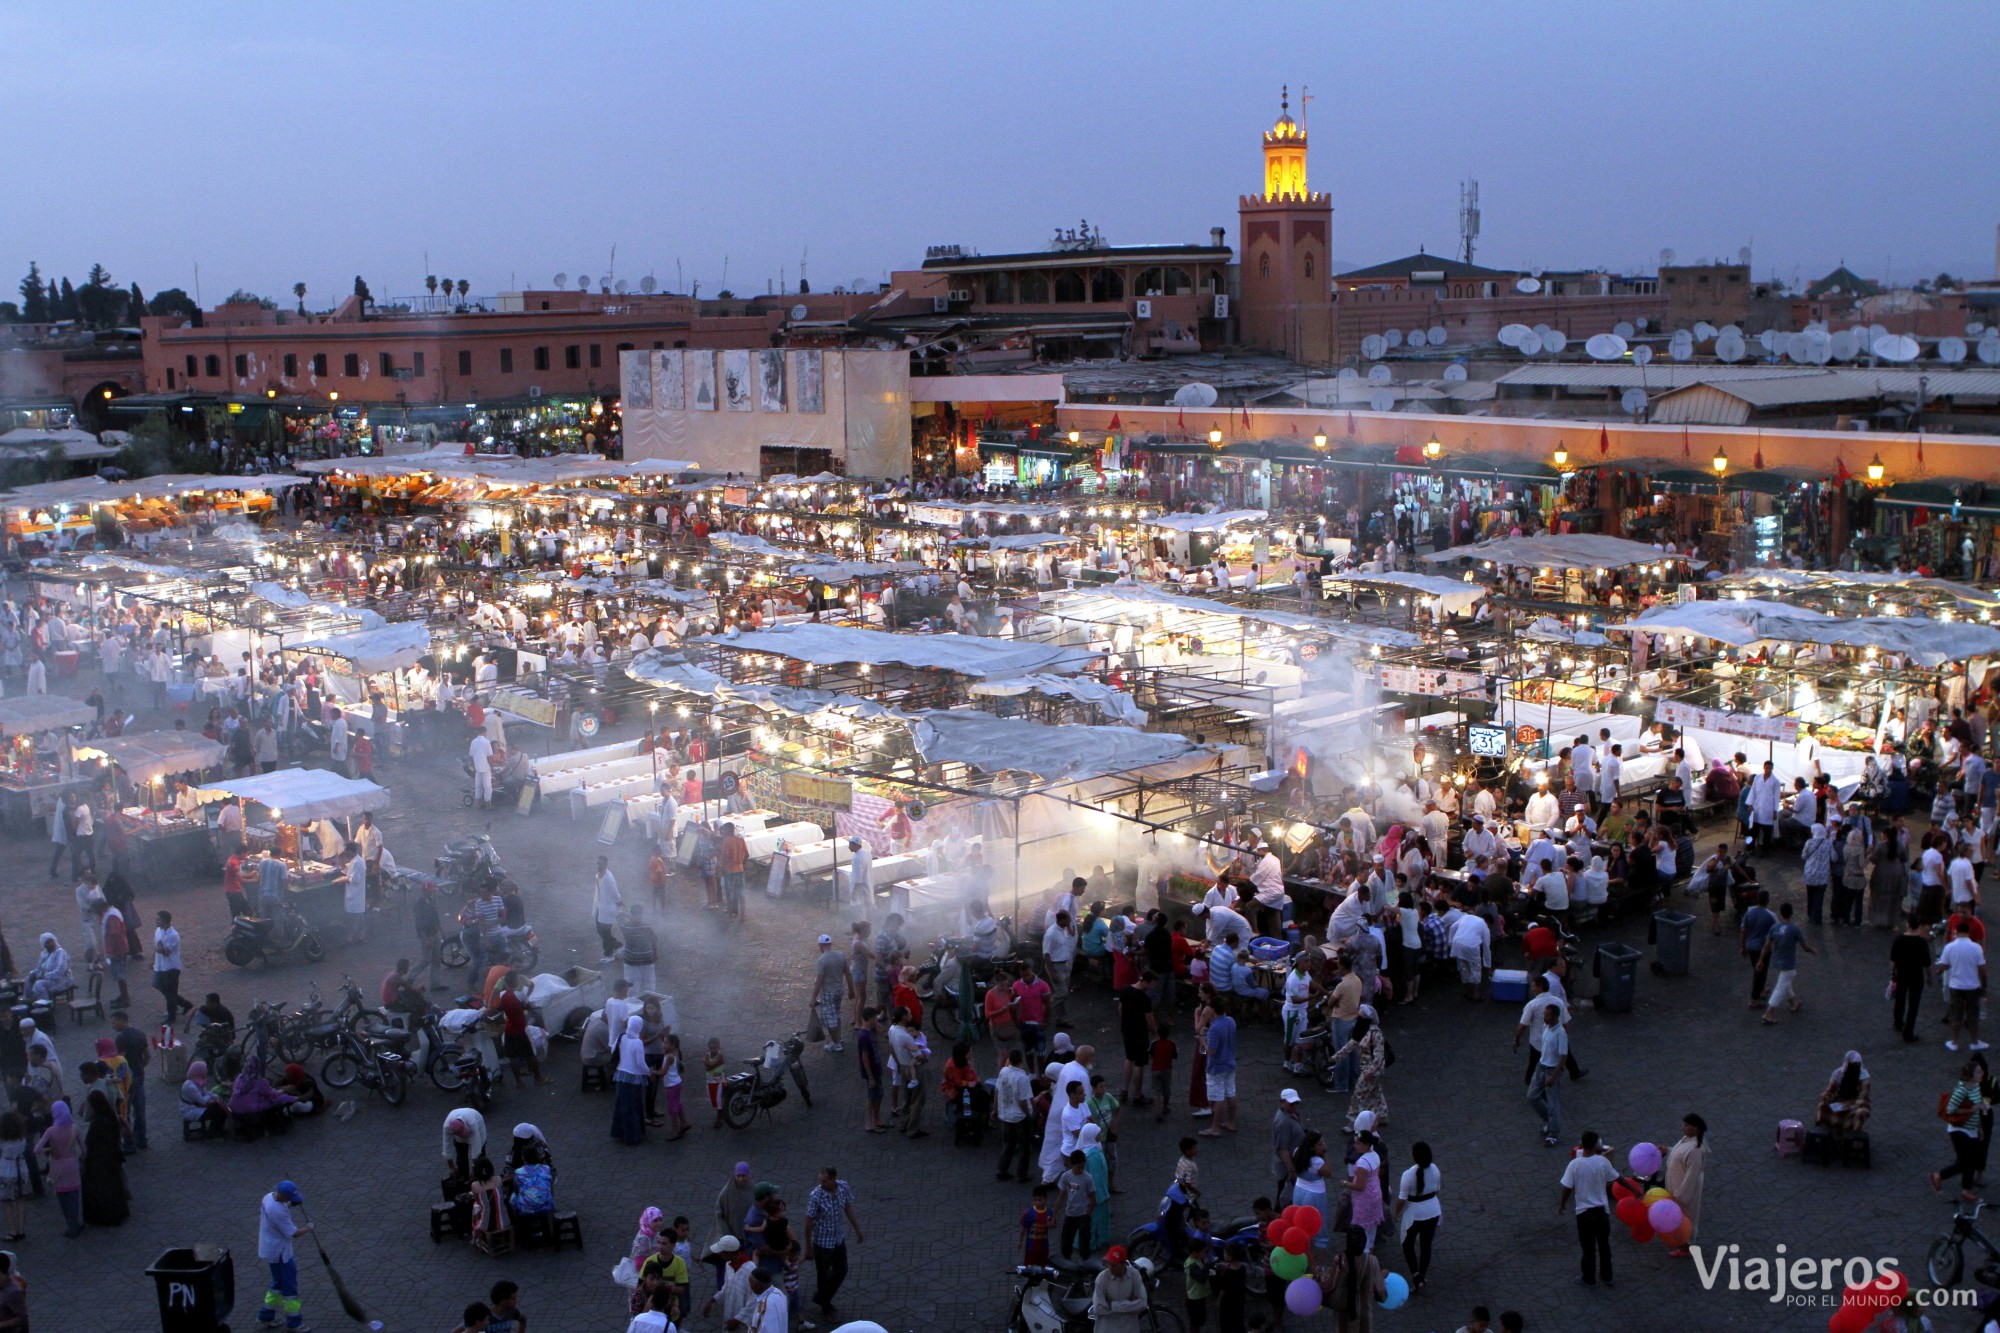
680	285
804	250
1468	218
612	271
1305	104
725	274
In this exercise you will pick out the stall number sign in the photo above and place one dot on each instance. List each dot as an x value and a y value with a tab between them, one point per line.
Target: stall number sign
1756	727
1489	742
1423	680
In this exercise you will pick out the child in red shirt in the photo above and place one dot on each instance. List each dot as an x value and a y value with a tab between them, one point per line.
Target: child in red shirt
1035	1229
1164	1054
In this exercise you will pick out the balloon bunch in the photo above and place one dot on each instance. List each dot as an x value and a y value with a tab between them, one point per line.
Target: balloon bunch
1291	1235
1860	1304
1647	1213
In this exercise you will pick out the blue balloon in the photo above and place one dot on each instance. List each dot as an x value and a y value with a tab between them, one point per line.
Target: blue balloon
1399	1291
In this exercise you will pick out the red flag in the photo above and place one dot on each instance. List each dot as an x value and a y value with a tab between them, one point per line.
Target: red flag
1180	420
1116	424
1603	440
1350	421
1687	450
1758	461
1246	416
1295	428
1920	446
1840	472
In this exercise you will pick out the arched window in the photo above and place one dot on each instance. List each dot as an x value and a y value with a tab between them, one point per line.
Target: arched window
1107	284
1069	286
1264	266
1177	283
999	289
1309	266
1152	282
1034	289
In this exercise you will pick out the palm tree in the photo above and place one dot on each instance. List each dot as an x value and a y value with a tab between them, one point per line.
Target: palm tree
463	288
444	284
431	283
299	290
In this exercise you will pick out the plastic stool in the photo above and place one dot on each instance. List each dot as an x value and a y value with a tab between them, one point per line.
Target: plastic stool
1854	1150
567	1228
1791	1137
596	1077
1818	1149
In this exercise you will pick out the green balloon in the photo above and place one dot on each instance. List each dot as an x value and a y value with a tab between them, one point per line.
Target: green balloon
1288	1265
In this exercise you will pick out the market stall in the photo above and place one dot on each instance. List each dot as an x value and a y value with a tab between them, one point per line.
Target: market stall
161	842
37	764
283	812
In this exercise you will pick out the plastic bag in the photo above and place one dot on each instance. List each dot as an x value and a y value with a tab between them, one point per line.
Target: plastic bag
625	1274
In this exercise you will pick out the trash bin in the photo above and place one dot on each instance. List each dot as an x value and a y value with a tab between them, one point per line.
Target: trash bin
1617	973
1671	935
197	1288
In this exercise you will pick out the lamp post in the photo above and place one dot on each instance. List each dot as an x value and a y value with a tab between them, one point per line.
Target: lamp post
1434	449
1319	439
1721	465
1561	457
1215	438
1875	470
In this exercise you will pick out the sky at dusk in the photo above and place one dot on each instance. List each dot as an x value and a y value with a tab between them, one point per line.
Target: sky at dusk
512	141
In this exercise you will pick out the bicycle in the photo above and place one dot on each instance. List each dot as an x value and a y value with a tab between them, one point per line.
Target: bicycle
1945	1260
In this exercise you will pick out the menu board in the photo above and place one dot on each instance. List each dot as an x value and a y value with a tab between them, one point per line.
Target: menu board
1753	725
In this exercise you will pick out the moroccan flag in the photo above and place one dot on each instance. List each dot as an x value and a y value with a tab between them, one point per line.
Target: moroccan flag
1758	460
1840	472
1350	423
1603	440
1687	450
1116	424
1180	420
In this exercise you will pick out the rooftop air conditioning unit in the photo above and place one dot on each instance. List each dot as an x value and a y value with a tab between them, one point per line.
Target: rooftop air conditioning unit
962	294
940	305
1143	309
1222	307
534	391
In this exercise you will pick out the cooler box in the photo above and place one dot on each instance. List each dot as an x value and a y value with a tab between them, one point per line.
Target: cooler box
66	661
1510	983
1267	950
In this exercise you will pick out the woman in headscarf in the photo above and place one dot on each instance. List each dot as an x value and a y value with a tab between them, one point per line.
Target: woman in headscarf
62	1144
1352	1284
1593	886
1853	885
1817	872
300	1085
464	1143
51	973
732	1204
531	1173
1090	1142
118	1073
646	1240
1889	880
105	1203
629	1082
1687	1167
252	1099
1372	1046
1364	1186
1843	1106
199	1104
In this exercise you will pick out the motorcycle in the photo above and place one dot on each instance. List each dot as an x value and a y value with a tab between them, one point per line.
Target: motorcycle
938	979
255	937
476	1082
375	1062
468	865
1046	1300
762	1086
1150	1241
507	784
519	949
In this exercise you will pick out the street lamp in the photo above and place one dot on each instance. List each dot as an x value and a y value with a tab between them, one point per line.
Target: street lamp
1319	439
1875	470
1720	462
1075	438
1434	449
1561	456
1215	438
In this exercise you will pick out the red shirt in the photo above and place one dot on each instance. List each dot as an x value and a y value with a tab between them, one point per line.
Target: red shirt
514	1013
1976	929
1539	942
905	997
1033	996
232	875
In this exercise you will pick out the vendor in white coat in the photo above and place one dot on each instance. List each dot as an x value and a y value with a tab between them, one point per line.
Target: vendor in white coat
1609	770
1766	794
481	753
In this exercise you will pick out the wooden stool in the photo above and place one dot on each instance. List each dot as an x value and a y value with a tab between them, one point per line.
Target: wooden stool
534	1228
494	1242
444	1221
566	1228
1791	1137
1818	1148
596	1077
1854	1150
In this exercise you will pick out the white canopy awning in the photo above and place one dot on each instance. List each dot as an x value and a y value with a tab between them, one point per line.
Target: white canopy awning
844	571
1455	594
386	648
1114	704
147	755
1023	541
1576	550
966	654
1924	641
1132	604
300	795
994	744
1833	579
1206	522
279	595
43	712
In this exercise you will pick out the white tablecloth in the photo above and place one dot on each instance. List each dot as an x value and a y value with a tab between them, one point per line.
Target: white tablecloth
765	841
885	870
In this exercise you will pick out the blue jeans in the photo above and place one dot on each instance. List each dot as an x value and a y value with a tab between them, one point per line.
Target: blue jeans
1349	1066
1544	1094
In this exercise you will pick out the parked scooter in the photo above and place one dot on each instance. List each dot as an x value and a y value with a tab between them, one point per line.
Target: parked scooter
762	1086
254	937
468	865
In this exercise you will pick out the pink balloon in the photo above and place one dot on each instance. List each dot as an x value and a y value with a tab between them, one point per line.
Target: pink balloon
1664	1215
1644	1159
1302	1296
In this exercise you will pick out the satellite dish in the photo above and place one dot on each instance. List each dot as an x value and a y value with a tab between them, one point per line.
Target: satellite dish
1743	256
561	278
1703	330
1554	340
1195	395
1988	350
1349	373
1454	374
1622	329
1536	270
1729	346
1435	335
1819	347
649	284
1730	330
799	311
1951	349
620	286
1643	323
1510	335
1975	327
1797	347
1896	347
1392	337
1528	286
604	283
1542	332
1380	375
1877	331
1633	401
1382	400
1605	347
1667	258
1531	343
1373	346
1642	356
1845	345
1768	340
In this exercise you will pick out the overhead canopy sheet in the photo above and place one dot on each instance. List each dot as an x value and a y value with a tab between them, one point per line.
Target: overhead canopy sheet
389	648
279	595
843	571
299	795
1453	594
42	712
954	513
1128	603
747	543
1206	522
1579	550
670	671
1833	579
147	755
1925	642
993	744
1114	704
498	469
968	655
1021	541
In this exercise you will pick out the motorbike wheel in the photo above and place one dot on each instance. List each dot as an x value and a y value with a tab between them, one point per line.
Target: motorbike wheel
530	956
573	1021
1322	1067
452	952
1148	1245
482	1091
443	1070
395	1088
737	1108
468	800
944	1017
340	1070
1157	1320
291	1047
239	952
1945	1261
312	947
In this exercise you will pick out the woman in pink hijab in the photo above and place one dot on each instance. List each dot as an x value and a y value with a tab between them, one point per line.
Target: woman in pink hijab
62	1144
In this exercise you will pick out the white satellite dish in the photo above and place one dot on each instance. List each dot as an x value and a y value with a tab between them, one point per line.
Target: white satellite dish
1877	331
1951	350
1536	270
1528	286
1380	375
1895	347
1382	400
1622	329
1642	356
1542	332
1729	346
1373	346
649	284
1633	401
1730	330
800	312
1454	374
1435	335
1819	347
1605	347
560	279
1743	256
1643	323
1988	350
1510	335
1681	346
1768	340
1195	395
620	286
1844	345
1974	328
1554	340
1667	258
1796	347
1392	337
1349	373
1703	330
1531	343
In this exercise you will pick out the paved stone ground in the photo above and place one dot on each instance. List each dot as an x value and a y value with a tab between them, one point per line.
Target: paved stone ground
940	1235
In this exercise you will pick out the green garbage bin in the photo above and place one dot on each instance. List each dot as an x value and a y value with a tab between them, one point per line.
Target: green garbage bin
1673	939
197	1288
1617	973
